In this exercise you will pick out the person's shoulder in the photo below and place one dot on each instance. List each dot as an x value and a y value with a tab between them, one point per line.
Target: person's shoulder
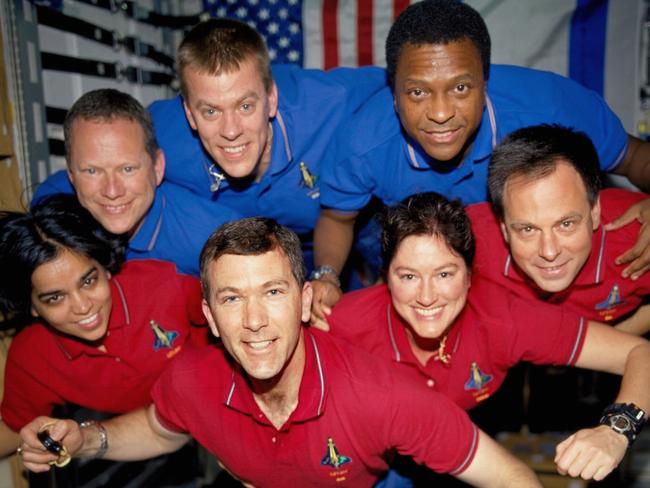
30	344
193	210
55	183
618	199
480	214
347	362
363	298
197	363
147	275
166	108
505	74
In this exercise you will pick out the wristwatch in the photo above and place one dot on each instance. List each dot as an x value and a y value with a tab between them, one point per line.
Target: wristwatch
624	418
103	437
323	270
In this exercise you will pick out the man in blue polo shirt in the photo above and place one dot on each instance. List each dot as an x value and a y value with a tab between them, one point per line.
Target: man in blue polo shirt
435	128
249	137
116	168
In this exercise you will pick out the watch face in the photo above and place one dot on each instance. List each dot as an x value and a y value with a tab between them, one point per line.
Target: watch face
620	423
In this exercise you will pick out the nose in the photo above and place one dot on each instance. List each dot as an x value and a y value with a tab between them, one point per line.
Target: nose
231	127
113	186
255	315
440	109
549	248
427	294
81	304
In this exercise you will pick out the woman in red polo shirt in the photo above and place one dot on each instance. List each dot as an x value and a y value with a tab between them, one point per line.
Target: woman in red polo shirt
100	331
459	334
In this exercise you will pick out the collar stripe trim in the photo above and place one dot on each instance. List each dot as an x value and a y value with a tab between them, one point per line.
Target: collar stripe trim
156	231
320	375
123	299
283	129
601	254
393	342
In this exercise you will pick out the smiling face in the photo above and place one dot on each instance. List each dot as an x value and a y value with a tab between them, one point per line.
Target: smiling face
112	173
428	285
231	112
73	295
439	95
549	223
256	307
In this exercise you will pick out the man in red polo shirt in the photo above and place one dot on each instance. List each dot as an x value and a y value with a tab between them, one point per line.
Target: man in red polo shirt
280	404
545	236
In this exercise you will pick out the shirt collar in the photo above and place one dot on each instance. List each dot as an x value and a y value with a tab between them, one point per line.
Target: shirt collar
485	141
592	272
311	396
402	352
119	317
146	237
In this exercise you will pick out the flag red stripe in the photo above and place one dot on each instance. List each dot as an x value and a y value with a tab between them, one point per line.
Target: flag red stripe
364	32
399	6
330	34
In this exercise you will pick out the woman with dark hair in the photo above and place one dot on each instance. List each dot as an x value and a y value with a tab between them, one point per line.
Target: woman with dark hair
101	330
461	341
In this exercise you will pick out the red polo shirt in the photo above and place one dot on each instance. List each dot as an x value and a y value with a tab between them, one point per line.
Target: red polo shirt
598	292
494	332
45	368
353	411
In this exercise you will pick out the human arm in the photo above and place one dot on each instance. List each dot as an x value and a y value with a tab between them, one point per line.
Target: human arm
333	238
495	467
133	436
594	453
636	163
638	256
637	324
9	440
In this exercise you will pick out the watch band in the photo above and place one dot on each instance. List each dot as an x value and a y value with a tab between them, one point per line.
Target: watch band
103	437
318	272
624	418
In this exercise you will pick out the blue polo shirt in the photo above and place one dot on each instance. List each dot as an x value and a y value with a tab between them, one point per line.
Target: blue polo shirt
373	156
312	105
174	229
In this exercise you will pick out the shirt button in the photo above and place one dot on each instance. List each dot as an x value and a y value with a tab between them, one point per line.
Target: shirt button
430	383
274	440
117	359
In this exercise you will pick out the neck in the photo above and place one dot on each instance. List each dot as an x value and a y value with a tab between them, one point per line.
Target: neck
423	349
265	162
278	396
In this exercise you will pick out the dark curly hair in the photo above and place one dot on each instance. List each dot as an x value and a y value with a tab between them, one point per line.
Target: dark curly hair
28	240
428	213
437	22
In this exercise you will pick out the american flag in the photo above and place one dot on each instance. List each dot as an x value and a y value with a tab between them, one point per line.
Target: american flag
317	33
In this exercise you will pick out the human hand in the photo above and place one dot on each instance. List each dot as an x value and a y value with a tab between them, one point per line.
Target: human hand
326	294
639	255
35	456
591	453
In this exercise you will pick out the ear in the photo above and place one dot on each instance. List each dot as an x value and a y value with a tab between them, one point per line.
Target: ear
504	232
33	311
207	313
159	166
595	214
188	114
307	295
273	100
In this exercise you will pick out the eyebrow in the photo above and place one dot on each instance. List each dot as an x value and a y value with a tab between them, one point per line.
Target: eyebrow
446	265
46	294
249	94
264	285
